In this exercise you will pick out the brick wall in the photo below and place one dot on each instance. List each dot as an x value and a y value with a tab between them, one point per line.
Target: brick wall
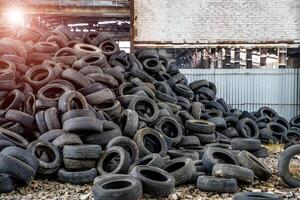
217	21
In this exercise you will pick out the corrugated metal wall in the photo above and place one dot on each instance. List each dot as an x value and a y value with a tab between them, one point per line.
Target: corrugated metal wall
249	89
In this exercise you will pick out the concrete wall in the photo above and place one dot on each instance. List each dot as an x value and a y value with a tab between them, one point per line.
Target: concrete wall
216	21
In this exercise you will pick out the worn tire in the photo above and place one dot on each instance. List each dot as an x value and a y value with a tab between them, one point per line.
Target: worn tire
283	165
116	186
218	185
76	177
260	170
155	181
241	174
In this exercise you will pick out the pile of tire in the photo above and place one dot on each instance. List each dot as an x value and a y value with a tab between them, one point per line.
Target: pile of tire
80	110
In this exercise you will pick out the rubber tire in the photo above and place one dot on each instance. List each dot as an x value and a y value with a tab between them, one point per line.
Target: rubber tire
46	168
22	155
241	174
123	165
260	170
157	182
181	168
7	184
128	144
256	196
200	126
131	191
247	144
76	177
82	152
283	165
218	185
211	157
139	139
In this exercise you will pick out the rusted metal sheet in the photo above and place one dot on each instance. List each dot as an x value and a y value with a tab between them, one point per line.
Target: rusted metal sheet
250	89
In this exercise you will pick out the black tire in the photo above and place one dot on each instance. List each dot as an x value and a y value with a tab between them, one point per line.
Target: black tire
256	196
219	122
67	139
231	121
214	105
77	165
260	170
51	135
277	129
170	129
281	121
214	155
37	148
95	87
155	181
290	136
116	187
189	140
128	144
83	125
150	141
295	121
243	132
82	152
197	109
241	174
5	143
6	184
76	177
22	155
148	104
284	165
197	84
52	119
267	112
100	96
261	153
230	132
205	138
181	168
184	91
13	137
183	153
77	113
218	185
247	144
115	160
20	117
19	171
153	159
200	126
65	100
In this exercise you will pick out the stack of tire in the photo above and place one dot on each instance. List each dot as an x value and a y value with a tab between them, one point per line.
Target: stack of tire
82	108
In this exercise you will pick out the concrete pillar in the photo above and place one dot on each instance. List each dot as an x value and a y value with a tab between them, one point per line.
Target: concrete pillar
282	57
237	57
213	58
248	58
263	57
227	58
219	58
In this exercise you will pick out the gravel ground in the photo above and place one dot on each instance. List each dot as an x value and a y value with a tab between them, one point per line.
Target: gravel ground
41	189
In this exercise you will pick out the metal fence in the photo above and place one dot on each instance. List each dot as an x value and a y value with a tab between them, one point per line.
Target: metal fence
249	89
